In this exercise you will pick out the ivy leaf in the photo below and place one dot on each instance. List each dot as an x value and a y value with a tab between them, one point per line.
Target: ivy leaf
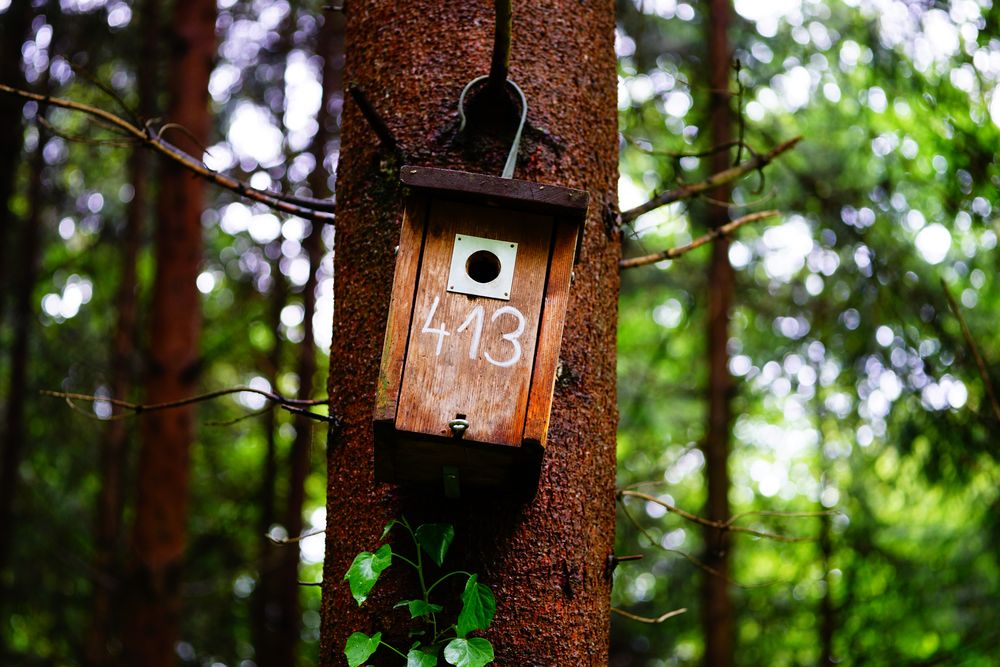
474	652
365	570
478	607
419	608
389	526
434	539
417	658
360	647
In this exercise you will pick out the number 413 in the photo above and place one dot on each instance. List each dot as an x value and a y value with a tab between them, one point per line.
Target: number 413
474	320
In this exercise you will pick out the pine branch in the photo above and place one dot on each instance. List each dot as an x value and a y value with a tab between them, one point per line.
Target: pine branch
715	180
303	207
718	525
139	408
646	619
674	253
984	374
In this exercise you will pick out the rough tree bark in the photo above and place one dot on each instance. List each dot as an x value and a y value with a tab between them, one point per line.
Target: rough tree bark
717	606
159	535
546	558
100	650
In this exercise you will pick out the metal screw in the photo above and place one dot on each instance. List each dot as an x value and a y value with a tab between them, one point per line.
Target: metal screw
458	427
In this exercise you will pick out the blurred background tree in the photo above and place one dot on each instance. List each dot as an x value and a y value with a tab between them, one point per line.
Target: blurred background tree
851	385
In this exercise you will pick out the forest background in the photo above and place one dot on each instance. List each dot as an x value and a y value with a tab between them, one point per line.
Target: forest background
861	352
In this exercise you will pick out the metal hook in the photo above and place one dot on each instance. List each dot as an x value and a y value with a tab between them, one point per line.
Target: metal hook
508	168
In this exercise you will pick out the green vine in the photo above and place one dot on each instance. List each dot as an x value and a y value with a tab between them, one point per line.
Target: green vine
451	641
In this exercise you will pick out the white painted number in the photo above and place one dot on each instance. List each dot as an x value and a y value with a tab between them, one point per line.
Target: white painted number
441	333
510	337
474	320
477	333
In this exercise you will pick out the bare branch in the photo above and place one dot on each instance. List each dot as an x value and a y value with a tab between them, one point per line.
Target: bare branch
309	209
139	408
500	64
719	525
646	619
674	253
375	120
984	374
688	557
715	180
282	541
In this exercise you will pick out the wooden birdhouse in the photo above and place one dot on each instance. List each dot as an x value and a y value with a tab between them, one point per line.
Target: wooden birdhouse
479	297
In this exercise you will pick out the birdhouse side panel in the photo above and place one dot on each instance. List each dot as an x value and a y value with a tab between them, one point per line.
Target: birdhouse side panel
411	237
471	356
557	294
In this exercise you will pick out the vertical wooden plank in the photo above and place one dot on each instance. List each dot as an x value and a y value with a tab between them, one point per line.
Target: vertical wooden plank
536	425
404	282
473	355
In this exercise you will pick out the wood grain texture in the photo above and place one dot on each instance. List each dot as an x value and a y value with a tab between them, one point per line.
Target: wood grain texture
550	333
404	281
440	384
494	190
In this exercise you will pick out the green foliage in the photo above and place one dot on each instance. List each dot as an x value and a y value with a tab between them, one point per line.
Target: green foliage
478	605
360	647
365	570
473	652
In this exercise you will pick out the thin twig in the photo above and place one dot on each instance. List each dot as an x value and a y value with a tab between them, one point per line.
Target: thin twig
310	583
282	541
374	118
698	154
500	64
688	557
311	415
107	90
715	180
719	525
315	210
646	619
984	374
78	139
674	253
781	515
139	408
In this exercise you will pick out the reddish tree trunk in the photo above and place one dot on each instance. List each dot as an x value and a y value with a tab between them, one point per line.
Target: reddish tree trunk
330	46
159	536
114	452
264	606
546	558
717	606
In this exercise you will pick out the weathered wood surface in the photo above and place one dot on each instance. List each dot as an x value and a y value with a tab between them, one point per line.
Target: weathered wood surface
397	330
481	367
536	426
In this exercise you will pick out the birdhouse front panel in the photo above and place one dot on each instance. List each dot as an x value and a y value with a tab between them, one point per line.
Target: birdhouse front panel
470	356
479	297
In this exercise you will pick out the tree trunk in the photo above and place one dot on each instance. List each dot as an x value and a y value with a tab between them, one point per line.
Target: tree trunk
717	607
545	558
23	321
330	45
13	31
108	567
264	604
159	536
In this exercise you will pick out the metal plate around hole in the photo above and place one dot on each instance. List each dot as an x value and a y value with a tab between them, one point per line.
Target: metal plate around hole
459	280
